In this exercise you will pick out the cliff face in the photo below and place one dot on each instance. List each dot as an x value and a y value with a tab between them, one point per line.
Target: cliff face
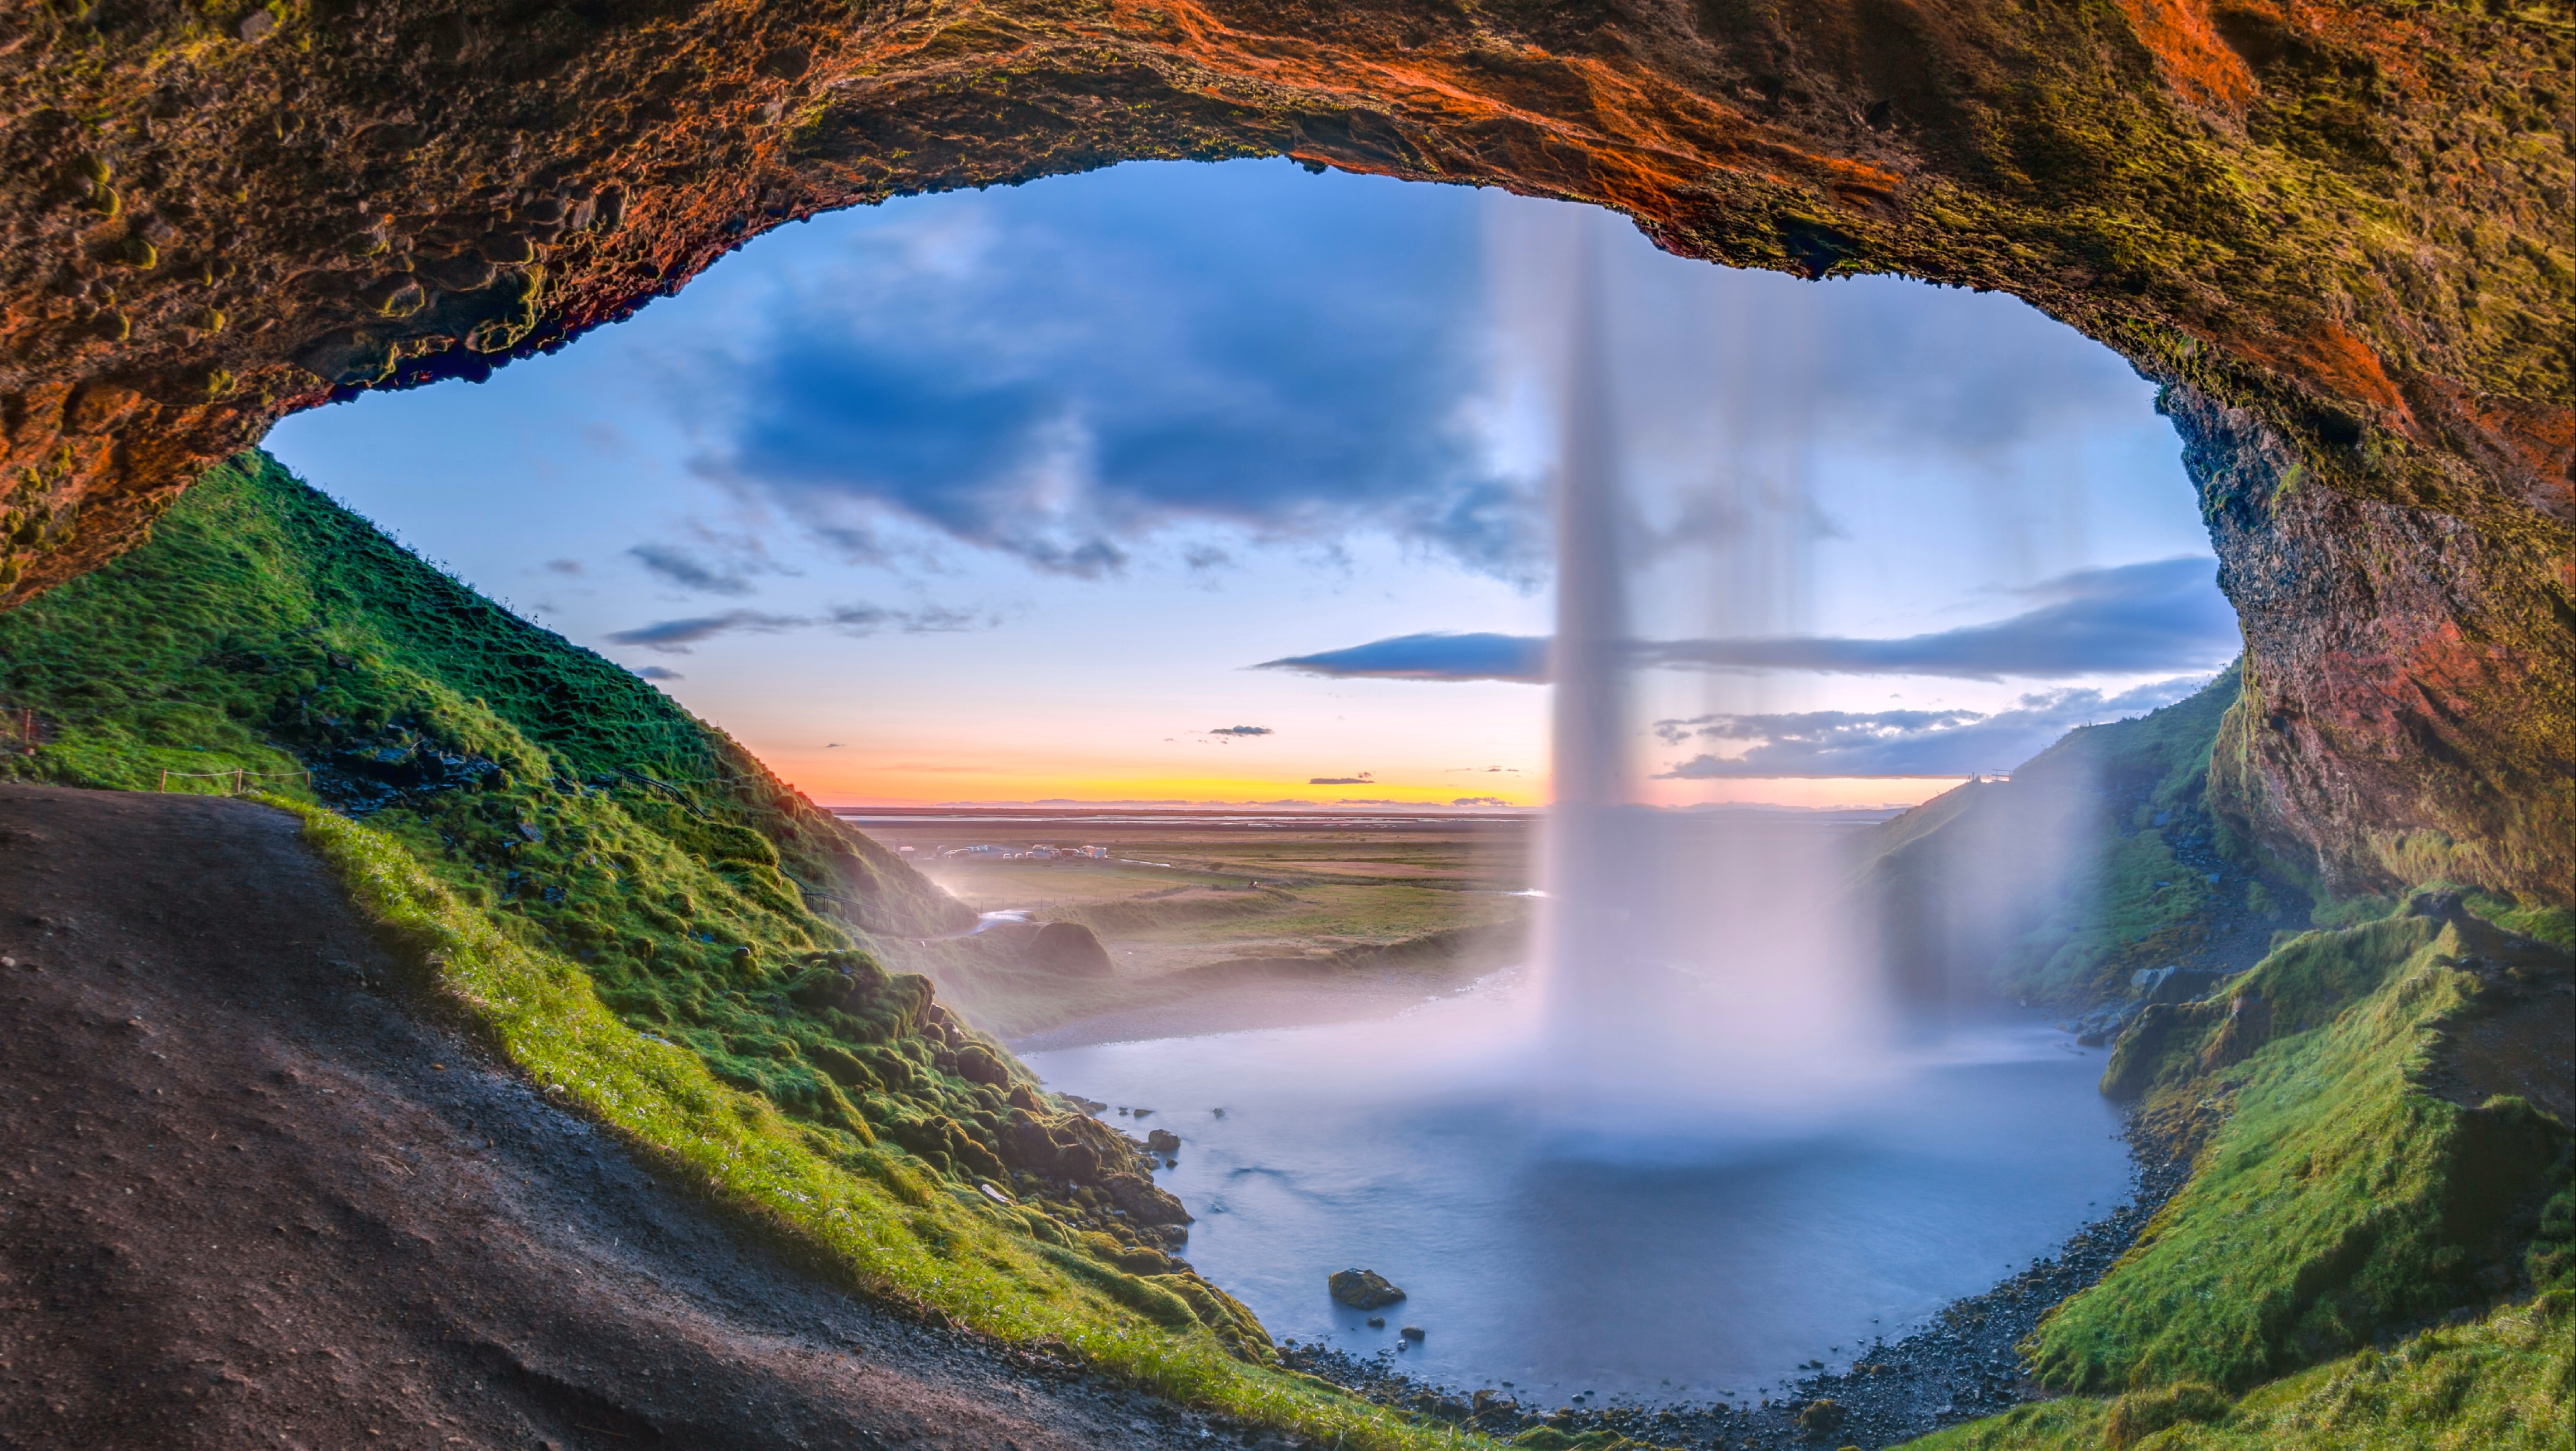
2409	708
2341	229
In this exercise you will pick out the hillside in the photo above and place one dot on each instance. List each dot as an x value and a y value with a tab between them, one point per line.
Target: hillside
627	907
2373	1099
262	1202
648	930
2098	858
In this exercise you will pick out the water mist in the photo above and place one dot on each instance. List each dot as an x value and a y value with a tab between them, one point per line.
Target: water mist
1703	984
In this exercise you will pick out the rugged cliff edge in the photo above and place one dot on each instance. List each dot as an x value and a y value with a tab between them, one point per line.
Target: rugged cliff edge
2338	229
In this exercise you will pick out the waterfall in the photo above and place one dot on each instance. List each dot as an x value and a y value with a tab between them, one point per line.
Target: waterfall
1701	977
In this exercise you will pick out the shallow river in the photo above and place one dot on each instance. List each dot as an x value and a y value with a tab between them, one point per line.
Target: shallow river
1409	1146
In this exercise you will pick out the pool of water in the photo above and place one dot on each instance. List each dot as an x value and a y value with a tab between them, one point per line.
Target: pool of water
1678	1267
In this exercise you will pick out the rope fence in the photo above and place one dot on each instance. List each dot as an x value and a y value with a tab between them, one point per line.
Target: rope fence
238	777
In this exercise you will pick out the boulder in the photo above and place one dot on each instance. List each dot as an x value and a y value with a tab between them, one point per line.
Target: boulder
1363	1289
1163	1141
1141	1200
1067	949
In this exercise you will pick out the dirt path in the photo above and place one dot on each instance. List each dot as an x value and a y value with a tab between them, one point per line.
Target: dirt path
246	1198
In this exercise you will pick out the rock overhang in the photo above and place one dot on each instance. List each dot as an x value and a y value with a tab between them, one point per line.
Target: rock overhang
2336	231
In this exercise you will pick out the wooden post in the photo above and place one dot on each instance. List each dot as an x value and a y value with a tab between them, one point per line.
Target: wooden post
237	780
165	778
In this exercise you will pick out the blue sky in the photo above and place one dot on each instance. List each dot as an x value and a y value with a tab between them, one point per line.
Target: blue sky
1011	495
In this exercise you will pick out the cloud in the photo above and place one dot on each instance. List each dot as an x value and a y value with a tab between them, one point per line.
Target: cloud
1362	779
1060	374
677	566
1902	742
928	620
1243	731
656	672
1480	801
564	566
2130	619
1429	657
2163	615
674	637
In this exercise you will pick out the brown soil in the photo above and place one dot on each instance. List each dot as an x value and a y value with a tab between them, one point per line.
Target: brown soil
248	1196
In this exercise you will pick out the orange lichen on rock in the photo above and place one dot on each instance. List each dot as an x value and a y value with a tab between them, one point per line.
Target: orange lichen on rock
2189	53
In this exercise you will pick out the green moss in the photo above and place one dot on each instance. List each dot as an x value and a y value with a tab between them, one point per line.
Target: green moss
2339	1199
2506	1382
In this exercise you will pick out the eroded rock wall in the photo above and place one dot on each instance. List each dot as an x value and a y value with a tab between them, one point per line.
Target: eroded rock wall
2347	221
2410	687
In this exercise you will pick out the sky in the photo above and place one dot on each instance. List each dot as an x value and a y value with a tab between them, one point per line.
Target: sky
1186	482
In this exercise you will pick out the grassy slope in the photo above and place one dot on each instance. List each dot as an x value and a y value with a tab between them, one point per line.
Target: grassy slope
2058	885
626	904
2501	1384
2334	1201
2338	1199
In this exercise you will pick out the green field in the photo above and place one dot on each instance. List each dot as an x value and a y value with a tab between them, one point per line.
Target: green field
1197	904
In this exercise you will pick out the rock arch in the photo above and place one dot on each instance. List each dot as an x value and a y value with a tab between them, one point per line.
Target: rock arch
2337	229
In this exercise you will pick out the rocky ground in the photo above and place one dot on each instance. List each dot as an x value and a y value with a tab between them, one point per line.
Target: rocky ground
1960	1367
249	1197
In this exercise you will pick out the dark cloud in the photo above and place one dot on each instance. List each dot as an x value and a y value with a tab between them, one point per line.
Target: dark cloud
675	637
1429	657
564	566
1241	730
1362	779
656	672
2165	615
1063	372
1901	742
679	567
1480	801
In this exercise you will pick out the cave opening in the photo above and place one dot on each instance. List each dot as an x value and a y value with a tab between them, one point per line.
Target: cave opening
1232	488
2330	240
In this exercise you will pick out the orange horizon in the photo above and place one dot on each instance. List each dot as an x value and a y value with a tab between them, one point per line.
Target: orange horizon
837	790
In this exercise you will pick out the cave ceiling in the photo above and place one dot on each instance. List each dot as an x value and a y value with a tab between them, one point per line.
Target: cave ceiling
2342	233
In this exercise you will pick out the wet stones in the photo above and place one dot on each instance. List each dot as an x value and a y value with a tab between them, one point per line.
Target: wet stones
1364	1290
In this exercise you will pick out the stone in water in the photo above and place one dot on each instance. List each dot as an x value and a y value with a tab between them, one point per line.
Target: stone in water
1364	1289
